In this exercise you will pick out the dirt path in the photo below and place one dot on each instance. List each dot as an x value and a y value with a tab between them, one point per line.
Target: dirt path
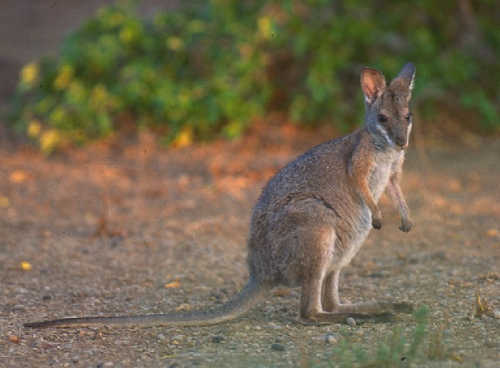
142	230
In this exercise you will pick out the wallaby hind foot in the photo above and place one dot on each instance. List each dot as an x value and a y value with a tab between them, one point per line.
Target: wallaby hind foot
375	307
373	311
341	317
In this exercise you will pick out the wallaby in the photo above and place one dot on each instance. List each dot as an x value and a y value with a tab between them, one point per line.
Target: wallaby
313	216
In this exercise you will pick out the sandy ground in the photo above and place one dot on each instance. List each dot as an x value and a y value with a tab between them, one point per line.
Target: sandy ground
137	229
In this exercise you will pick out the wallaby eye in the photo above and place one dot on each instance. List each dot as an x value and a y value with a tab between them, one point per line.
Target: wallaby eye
408	117
382	118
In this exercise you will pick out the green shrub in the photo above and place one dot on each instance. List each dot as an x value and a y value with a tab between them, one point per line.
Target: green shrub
210	68
182	74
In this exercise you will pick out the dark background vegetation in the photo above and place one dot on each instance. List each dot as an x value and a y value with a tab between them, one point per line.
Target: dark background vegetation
213	68
32	29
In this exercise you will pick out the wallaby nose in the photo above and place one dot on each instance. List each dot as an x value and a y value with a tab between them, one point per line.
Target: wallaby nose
401	142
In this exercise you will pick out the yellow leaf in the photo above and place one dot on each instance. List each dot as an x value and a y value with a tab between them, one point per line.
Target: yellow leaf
183	307
167	356
183	139
64	77
13	338
265	27
127	35
479	304
175	43
456	357
4	202
29	73
99	96
34	128
26	266
173	284
49	140
493	233
17	176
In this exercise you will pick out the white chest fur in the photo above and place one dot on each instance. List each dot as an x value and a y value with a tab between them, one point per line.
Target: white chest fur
382	171
378	181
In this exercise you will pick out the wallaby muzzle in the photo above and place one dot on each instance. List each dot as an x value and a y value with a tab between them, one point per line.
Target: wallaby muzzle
400	135
400	141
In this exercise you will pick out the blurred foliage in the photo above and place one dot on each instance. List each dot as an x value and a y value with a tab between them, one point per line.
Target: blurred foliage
211	67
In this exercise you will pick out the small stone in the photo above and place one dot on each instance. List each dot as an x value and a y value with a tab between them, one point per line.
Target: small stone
330	338
350	321
277	347
496	313
108	364
161	337
217	339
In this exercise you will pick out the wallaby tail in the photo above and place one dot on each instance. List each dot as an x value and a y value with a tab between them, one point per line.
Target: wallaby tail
249	296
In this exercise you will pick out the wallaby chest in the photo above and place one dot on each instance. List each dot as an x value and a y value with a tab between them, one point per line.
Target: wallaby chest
382	170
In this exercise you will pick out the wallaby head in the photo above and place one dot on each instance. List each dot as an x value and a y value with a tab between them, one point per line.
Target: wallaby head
388	116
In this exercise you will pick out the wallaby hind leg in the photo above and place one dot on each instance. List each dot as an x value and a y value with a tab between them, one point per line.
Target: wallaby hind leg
312	302
330	298
318	247
331	301
319	243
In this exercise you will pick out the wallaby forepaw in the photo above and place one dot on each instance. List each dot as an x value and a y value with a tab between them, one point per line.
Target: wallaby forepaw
406	226
377	223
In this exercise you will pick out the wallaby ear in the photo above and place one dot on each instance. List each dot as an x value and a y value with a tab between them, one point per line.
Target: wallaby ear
407	76
372	84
